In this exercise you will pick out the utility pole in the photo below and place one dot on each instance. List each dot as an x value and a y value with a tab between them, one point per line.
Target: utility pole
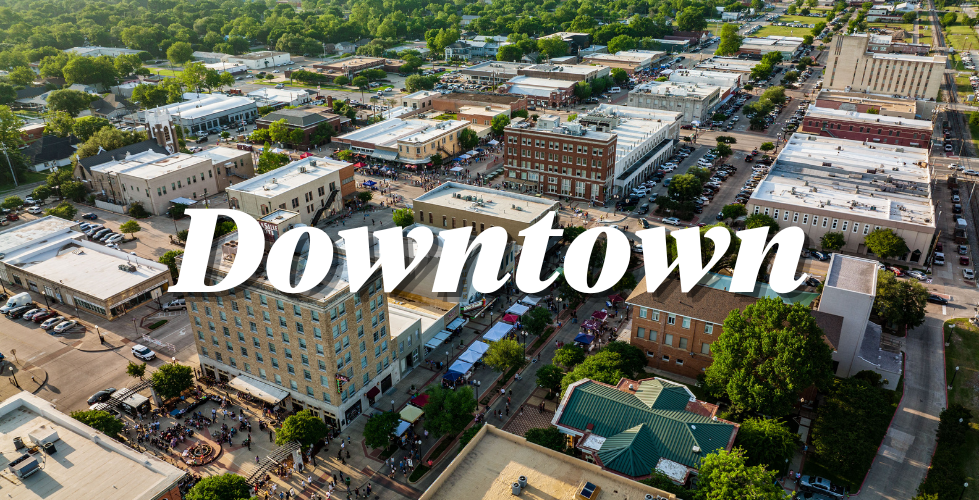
11	165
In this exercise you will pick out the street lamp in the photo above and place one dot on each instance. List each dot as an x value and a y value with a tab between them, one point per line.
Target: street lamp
446	361
956	372
476	384
12	374
964	487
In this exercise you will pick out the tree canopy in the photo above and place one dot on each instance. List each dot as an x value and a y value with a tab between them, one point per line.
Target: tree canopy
99	420
448	411
767	442
504	354
885	243
900	302
379	429
304	427
223	487
172	379
726	475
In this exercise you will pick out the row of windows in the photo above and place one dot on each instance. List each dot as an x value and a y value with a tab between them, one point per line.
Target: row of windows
671	319
653	336
314	316
880	131
833	224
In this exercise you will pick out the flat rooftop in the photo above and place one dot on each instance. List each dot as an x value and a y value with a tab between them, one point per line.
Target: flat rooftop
204	105
502	67
853	98
932	59
89	267
288	177
261	54
494	459
150	165
577	69
856	116
220	153
281	95
87	464
422	94
494	203
351	61
675	89
632	126
543	83
880	181
35	230
728	64
775	42
388	132
852	273
502	99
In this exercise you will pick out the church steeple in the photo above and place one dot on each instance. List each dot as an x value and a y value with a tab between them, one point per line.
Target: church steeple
161	128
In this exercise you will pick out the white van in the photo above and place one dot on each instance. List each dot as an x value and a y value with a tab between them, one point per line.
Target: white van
21	299
615	90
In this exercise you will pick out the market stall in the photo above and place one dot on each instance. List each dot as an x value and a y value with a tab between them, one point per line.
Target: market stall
258	388
438	339
518	309
530	300
402	428
470	357
411	413
584	338
510	318
498	331
600	315
480	347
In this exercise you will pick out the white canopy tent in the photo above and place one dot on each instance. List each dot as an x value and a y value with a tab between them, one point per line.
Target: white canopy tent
498	331
258	388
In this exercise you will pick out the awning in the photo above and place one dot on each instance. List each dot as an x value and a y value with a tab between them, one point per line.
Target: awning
510	318
471	153
402	428
456	169
584	338
438	339
420	400
615	298
499	330
183	201
480	347
258	388
518	309
411	413
371	394
385	155
591	324
457	324
530	300
360	164
470	357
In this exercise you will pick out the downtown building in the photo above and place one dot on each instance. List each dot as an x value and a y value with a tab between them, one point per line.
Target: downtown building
853	67
871	128
696	102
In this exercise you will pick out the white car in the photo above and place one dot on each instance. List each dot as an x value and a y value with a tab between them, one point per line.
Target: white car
35	210
65	326
143	352
966	172
968	274
51	323
114	238
918	275
953	166
671	220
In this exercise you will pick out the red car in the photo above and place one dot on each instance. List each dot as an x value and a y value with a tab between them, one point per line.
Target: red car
896	270
12	217
39	317
939	247
963	260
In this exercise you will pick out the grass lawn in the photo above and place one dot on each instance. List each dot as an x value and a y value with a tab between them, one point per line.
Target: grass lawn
165	72
799	19
29	177
963	352
782	31
964	88
962	38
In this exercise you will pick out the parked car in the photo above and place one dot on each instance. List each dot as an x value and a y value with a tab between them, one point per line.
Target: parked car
143	352
175	305
90	216
114	238
937	299
19	311
52	322
896	270
918	275
101	396
30	313
963	250
968	274
819	255
963	261
671	220
35	210
41	316
64	326
822	485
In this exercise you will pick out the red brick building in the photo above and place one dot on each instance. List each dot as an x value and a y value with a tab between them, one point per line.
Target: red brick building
453	102
868	127
676	329
307	119
559	159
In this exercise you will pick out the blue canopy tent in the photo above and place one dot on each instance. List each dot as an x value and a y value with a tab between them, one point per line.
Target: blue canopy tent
402	428
369	183
452	376
584	338
480	347
457	370
470	356
499	330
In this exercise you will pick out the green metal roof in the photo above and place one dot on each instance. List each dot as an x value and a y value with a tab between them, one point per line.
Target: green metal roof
642	428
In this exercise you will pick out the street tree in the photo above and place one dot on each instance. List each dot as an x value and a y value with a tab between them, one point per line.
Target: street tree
627	282
172	379
730	40
100	420
448	411
179	53
685	187
767	442
504	354
619	75
900	302
766	355
605	367
725	475
571	232
548	437
72	190
761	220
136	370
549	377
536	320
169	259
724	150
468	139
569	356
129	227
70	101
12	202
403	217
733	211
224	487
41	192
270	160
499	123
766	146
885	243
832	241
304	427
380	428
633	360
63	210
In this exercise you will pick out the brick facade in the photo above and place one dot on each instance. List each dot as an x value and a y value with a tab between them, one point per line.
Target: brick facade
862	130
671	346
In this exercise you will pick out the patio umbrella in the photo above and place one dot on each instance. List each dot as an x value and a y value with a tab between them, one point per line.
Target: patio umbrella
601	315
511	318
615	298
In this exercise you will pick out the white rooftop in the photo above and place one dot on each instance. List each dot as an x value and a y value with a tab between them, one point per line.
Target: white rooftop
709	77
779	42
32	231
578	69
422	94
219	154
677	89
494	203
542	83
852	273
204	105
288	177
89	267
881	181
728	64
831	113
149	164
286	96
388	132
87	464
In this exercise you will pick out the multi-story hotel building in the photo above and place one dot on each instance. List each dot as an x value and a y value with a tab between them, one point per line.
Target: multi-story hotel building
328	350
853	67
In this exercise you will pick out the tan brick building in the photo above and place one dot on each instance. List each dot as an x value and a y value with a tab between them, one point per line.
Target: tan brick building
330	349
851	66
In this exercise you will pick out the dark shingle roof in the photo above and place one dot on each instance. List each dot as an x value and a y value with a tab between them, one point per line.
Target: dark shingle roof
109	103
50	148
642	428
115	154
296	117
30	92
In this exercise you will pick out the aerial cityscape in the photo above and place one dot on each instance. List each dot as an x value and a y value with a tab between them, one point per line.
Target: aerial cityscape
554	135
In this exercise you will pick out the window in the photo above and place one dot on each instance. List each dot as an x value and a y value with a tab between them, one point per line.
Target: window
653	335
709	329
679	361
705	348
668	339
683	343
640	333
686	323
642	312
671	319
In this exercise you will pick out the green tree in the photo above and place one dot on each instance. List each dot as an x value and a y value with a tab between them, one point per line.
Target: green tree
621	43
86	126
130	227
365	196
99	420
549	377
403	217
552	46
766	146
582	90
21	75
12	202
569	356
72	190
775	95
949	19
70	101
832	241
730	40
499	123
136	370
725	475
448	411
790	77
572	232
761	220
269	160
685	187
127	64
619	75
414	83
172	379
767	442
909	17
723	150
733	211
807	39
511	53
170	260
469	435
41	192
885	243
341	80
380	428
64	210
224	487
766	355
180	53
8	93
633	360
468	139
304	427
627	282
536	320
605	367
504	354
692	19
361	82
900	302
548	437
